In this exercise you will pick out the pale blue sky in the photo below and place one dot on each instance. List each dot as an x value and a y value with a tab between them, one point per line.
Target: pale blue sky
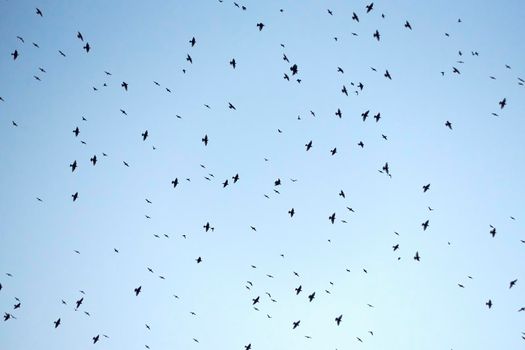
475	172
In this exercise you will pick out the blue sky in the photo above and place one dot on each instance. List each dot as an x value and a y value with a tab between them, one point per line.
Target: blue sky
475	171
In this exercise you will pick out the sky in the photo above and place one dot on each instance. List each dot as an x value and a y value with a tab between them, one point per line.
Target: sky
54	251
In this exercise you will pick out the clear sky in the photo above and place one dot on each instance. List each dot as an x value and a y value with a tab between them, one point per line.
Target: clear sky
475	172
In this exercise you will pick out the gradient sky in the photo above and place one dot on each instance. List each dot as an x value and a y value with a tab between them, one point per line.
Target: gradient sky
475	171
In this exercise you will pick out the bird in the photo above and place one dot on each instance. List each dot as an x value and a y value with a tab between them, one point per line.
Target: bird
193	42
512	283
96	338
73	166
79	302
93	159
355	17
311	297
489	303
503	103
87	47
189	59
308	145
426	188
338	319
57	323
15	54
137	290
175	182
369	7
333	151
416	257
296	324
233	63
407	25
291	212
377	35
332	218
298	290
255	301
448	125
425	225
61	53
124	85
230	106
205	140
339	113
492	231
235	178
75	196
260	25
79	36
387	75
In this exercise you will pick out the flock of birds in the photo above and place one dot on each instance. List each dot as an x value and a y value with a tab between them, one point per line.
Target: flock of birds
356	88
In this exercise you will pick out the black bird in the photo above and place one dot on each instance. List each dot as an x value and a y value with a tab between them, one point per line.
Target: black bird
332	218
333	151
75	196
144	135
339	113
76	131
93	160
387	75
248	347
61	53
448	125
492	231
342	193
355	17
502	103
455	70
298	290
230	106
260	25
365	115
308	145
235	178
377	117
386	168
15	55
361	144
291	212
17	306
369	7
87	47
39	12
344	91
426	188
188	58
416	257
124	85
395	247
407	25
192	42
198	260
425	225
489	303
294	69
330	12
225	183
296	324
175	182
79	35
96	338
311	297
57	323
125	163
207	227
137	290
255	301
73	166
205	140
339	319
7	316
512	283
233	63
377	35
